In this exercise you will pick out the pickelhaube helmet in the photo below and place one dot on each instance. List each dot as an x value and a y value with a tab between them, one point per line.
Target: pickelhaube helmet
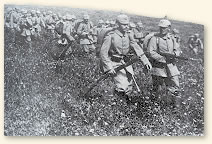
101	21
86	16
164	23
123	19
140	24
175	31
132	25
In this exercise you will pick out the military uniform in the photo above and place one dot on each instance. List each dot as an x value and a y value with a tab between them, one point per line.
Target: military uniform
50	23
68	30
39	23
86	39
195	43
115	48
164	69
25	26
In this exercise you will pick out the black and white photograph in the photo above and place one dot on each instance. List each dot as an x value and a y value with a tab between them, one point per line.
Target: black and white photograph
85	72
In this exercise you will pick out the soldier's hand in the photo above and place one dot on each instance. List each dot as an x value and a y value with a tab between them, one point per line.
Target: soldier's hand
112	72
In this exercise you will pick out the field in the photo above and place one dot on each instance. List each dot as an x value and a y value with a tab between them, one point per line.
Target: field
40	102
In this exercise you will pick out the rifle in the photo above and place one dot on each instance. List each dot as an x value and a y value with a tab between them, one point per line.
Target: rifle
106	75
179	57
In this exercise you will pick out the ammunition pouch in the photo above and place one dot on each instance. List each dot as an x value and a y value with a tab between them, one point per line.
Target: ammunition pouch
118	58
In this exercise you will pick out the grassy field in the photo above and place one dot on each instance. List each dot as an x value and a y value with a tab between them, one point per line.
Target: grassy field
40	102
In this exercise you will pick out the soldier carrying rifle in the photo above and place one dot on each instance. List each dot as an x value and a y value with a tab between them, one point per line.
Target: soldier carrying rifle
164	70
85	31
114	51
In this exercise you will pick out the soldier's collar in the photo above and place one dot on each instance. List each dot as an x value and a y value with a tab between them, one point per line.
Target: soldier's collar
167	36
119	33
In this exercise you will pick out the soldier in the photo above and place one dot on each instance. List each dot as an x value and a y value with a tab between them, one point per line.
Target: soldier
85	35
68	30
137	33
50	23
107	23
114	52
73	23
33	19
39	23
97	29
164	68
112	23
195	43
12	19
25	26
176	35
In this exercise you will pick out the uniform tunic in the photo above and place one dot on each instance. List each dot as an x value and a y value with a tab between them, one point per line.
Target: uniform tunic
162	68
194	44
86	39
117	44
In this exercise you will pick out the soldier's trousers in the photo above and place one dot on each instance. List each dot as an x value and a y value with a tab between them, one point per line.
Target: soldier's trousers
88	48
123	82
172	83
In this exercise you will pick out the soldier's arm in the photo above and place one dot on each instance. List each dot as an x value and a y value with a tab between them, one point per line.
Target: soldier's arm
80	30
189	43
42	22
200	43
138	50
107	63
11	20
152	50
177	50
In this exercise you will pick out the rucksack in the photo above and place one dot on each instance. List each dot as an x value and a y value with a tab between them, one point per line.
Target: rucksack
101	35
59	28
77	24
147	39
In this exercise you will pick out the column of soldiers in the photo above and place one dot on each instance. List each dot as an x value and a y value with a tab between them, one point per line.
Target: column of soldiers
112	41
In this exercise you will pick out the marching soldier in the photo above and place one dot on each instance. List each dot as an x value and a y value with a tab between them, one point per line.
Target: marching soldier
39	24
85	34
112	23
195	43
114	52
12	22
50	24
107	23
164	68
25	26
68	30
176	33
97	29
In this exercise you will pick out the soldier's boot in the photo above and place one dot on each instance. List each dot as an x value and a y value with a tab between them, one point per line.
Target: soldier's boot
154	95
122	96
177	101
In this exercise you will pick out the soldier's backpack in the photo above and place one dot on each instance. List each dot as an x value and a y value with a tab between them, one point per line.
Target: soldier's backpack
101	35
78	22
8	16
147	39
59	28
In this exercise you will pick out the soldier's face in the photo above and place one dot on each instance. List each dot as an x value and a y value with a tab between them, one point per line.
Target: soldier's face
164	30
86	20
123	27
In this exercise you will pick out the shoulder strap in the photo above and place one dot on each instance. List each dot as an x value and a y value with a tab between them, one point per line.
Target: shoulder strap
157	42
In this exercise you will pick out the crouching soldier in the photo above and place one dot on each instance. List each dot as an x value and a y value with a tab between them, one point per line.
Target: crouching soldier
115	48
164	69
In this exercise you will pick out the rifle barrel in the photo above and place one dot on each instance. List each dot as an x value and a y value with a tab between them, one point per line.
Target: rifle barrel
106	75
